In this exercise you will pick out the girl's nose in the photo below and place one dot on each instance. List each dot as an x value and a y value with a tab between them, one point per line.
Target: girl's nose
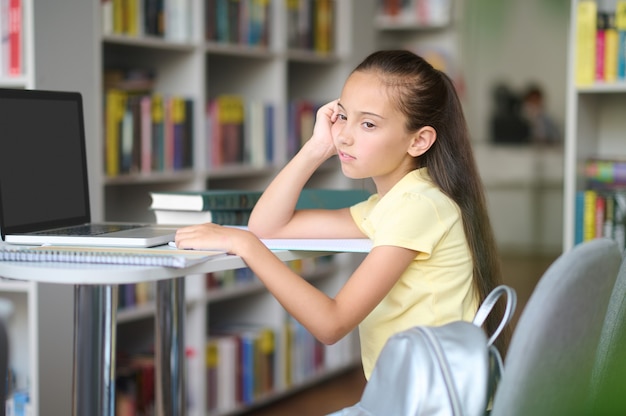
343	135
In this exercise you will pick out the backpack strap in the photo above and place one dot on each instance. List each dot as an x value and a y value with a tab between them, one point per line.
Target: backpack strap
488	304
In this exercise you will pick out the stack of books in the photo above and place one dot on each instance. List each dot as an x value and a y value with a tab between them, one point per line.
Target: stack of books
233	207
224	207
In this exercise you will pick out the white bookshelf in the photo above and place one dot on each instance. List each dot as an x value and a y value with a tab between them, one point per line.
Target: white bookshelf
201	70
595	127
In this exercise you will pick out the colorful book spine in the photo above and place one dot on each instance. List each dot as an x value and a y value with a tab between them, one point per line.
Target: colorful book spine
311	25
170	19
244	22
15	38
300	122
586	21
146	135
605	172
589	217
115	104
134	384
244	356
601	23
147	132
600	214
239	131
579	217
611	48
620	25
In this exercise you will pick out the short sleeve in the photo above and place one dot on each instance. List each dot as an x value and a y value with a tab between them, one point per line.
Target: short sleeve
413	222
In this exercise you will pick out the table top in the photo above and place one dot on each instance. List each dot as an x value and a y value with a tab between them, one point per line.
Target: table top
105	274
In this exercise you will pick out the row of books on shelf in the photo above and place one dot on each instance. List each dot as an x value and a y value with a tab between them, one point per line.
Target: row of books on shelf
418	13
239	131
605	173
168	19
133	295
11	38
135	384
300	122
600	42
311	25
242	363
600	213
244	22
240	277
601	207
147	132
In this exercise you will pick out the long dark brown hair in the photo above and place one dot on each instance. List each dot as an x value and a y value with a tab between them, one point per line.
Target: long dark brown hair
427	97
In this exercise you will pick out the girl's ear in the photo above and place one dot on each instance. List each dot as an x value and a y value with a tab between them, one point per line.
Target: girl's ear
422	140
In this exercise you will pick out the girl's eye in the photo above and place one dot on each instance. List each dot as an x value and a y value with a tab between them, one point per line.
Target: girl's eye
341	117
369	125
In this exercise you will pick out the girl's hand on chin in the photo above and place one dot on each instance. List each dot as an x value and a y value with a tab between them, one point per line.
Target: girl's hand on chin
322	139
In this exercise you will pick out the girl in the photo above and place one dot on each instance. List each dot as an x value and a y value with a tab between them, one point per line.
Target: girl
398	121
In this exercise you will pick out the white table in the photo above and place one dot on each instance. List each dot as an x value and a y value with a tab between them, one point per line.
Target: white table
95	307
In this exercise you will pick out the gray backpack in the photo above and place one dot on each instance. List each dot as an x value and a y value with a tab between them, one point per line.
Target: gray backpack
451	369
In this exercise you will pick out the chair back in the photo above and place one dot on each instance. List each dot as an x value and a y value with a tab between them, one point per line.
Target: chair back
609	373
549	361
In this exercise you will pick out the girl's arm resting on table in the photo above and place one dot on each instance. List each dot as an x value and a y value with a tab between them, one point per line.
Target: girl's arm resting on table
328	319
318	223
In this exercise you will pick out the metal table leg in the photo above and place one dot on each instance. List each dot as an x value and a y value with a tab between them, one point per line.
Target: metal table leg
170	347
93	390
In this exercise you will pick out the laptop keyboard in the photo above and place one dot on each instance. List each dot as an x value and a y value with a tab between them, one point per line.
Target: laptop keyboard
89	229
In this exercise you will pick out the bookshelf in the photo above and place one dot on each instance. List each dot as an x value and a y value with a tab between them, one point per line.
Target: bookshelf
594	116
210	63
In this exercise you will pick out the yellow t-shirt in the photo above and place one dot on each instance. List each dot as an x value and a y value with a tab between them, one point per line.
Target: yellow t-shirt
437	287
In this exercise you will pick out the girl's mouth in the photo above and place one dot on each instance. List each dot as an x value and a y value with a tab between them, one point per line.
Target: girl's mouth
344	156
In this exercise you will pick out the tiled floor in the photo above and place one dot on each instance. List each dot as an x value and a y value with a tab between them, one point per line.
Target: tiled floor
520	272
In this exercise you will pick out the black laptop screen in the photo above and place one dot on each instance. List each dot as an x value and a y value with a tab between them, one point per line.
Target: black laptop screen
43	180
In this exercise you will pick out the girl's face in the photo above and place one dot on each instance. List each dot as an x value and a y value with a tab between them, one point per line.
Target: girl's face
370	134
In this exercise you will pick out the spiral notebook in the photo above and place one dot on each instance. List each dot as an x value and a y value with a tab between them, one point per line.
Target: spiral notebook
108	255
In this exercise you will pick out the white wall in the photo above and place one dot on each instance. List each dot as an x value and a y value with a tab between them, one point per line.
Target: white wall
517	42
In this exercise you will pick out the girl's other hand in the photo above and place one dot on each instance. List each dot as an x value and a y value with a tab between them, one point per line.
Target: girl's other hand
211	236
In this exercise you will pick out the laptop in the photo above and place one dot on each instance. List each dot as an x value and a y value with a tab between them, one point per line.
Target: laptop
44	192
